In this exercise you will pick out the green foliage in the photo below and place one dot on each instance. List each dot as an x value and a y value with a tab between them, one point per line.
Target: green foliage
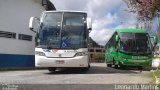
146	9
157	73
155	7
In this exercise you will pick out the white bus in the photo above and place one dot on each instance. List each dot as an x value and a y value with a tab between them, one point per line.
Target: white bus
62	39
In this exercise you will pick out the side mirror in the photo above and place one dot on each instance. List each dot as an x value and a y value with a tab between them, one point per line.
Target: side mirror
89	24
154	39
117	38
31	23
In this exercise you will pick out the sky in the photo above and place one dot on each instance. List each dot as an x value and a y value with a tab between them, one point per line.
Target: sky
107	16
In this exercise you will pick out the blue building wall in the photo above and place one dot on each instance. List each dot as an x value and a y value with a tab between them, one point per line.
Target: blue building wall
14	18
16	61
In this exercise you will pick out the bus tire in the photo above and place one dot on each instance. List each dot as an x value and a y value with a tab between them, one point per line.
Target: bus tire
116	66
109	65
51	69
86	68
89	65
121	66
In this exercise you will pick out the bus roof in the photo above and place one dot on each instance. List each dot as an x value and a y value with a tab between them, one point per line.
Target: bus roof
65	11
131	30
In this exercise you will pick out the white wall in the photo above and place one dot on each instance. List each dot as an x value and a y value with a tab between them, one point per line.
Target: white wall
14	17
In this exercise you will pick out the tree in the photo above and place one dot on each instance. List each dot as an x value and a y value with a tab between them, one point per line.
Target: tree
145	9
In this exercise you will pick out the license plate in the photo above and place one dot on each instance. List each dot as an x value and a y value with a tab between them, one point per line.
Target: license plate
60	62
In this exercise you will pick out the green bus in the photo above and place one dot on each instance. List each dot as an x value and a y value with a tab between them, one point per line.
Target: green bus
130	47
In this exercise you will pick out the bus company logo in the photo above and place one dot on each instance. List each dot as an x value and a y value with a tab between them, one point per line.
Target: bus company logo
46	50
54	51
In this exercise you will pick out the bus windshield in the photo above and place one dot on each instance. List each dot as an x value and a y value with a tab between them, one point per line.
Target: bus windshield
135	43
63	30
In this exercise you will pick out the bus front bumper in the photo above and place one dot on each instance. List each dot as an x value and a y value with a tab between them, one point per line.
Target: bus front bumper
143	63
79	61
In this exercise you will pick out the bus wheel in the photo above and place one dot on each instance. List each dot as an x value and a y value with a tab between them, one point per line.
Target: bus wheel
109	65
116	66
89	65
86	68
51	69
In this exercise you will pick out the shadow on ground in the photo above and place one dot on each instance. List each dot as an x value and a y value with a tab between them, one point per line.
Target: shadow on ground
96	70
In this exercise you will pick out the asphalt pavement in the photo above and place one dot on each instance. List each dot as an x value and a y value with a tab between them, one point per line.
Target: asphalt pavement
97	77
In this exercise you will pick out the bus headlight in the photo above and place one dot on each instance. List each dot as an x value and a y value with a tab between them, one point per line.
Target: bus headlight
40	53
81	53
